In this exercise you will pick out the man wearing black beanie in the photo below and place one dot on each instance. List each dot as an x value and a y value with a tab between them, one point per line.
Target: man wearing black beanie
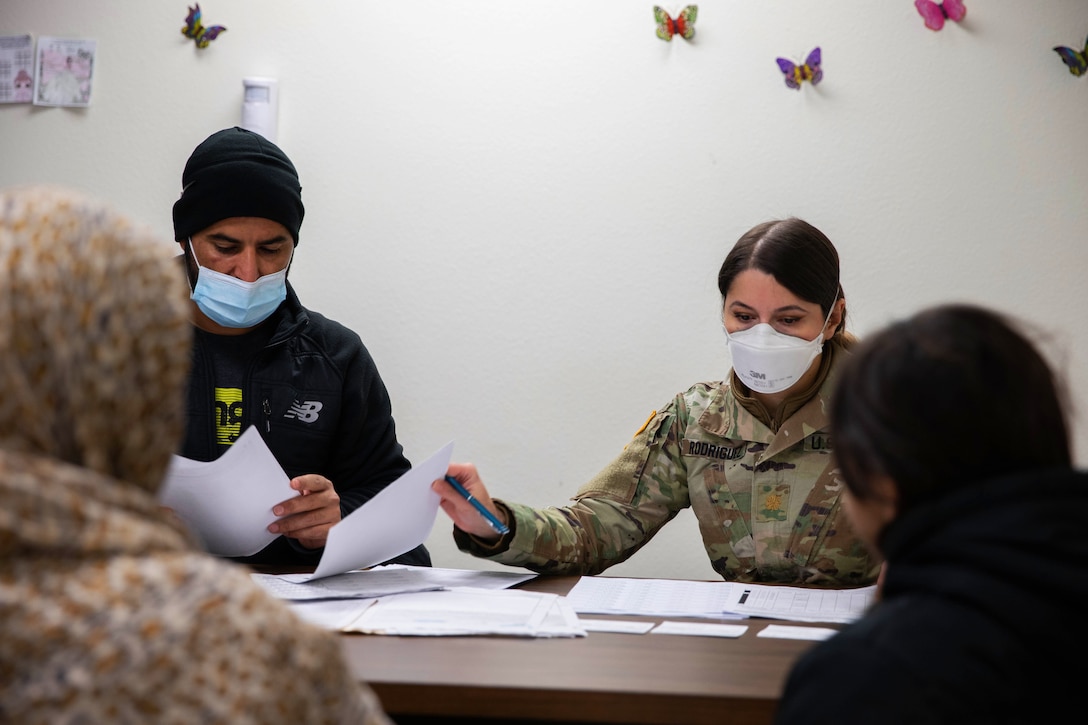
261	359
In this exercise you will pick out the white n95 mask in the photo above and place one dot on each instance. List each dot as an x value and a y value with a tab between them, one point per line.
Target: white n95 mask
768	361
233	302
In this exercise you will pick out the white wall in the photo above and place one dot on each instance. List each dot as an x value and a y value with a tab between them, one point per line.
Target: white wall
522	206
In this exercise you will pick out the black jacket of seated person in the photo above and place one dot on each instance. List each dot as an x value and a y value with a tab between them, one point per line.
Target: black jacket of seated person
981	618
314	393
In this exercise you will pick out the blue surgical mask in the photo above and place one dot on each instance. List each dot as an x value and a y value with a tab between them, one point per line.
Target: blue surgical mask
233	302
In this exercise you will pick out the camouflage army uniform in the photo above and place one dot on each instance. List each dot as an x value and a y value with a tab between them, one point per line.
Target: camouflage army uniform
767	503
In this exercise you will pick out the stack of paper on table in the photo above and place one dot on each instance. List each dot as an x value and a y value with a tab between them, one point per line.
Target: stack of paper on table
681	598
385	580
366	584
443	602
466	611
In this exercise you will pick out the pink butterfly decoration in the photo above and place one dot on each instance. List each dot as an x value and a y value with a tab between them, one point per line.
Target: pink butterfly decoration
935	13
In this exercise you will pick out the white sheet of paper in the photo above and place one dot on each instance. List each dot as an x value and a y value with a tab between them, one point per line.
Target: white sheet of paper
384	580
474	578
701	629
785	631
334	614
718	600
467	611
561	621
228	502
652	597
802	604
368	584
460	611
398	519
621	626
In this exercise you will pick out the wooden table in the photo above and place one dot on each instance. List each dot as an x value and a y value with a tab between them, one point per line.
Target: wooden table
602	678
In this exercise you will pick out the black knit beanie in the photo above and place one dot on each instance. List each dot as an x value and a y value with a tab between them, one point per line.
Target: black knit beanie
236	172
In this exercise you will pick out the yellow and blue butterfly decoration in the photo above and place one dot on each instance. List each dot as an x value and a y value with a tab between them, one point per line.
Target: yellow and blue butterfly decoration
194	28
1077	60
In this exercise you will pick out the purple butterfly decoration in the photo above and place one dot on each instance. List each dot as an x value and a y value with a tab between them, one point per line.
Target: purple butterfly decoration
808	71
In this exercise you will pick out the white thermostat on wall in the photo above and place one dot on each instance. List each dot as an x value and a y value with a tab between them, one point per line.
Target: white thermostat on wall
260	106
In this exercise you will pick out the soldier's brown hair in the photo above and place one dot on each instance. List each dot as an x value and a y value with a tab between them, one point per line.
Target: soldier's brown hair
798	255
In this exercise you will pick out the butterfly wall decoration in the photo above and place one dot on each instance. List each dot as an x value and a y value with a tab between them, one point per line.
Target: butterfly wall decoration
935	13
809	71
1077	60
683	25
194	28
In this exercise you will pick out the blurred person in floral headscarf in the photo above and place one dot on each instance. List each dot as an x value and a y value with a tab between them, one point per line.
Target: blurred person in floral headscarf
108	611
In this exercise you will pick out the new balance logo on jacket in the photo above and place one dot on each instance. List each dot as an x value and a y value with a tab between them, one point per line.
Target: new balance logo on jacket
305	411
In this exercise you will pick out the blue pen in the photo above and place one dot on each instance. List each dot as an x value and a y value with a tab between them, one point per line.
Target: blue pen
499	526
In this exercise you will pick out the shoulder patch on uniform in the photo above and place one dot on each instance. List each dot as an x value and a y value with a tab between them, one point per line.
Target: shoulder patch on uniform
643	427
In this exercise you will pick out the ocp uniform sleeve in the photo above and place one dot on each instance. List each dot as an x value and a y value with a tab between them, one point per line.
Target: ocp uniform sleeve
612	516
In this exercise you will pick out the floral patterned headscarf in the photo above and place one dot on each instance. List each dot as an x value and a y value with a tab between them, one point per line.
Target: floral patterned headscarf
108	611
94	337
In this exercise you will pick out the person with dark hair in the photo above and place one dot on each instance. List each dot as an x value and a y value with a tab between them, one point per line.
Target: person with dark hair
307	383
109	610
951	435
751	455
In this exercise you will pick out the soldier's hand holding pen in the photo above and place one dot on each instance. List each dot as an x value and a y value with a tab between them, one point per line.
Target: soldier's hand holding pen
466	501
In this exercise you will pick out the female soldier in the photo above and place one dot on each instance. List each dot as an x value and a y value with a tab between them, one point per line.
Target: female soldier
751	455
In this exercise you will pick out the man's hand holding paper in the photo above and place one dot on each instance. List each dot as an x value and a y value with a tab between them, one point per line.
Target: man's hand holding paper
240	502
310	514
228	503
